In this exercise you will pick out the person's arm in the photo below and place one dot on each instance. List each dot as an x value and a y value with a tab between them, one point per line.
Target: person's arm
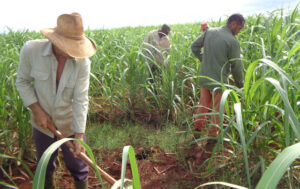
25	87
80	103
78	147
24	79
161	52
197	46
236	64
165	44
148	46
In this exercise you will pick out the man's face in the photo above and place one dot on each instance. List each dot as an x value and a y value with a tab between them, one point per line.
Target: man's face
237	27
59	52
165	32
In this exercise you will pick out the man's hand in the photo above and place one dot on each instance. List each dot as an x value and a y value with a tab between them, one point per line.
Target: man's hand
78	147
41	118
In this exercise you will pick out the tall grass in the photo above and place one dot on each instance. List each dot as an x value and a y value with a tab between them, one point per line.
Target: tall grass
269	100
15	131
123	87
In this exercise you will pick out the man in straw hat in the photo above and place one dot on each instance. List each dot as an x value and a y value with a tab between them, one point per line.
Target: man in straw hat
53	81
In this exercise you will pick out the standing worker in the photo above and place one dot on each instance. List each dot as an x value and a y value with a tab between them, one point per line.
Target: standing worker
53	81
156	45
220	58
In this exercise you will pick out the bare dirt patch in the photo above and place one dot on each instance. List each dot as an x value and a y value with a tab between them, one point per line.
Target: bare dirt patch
157	169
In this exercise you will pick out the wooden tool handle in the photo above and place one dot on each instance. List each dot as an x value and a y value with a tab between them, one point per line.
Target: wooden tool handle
82	155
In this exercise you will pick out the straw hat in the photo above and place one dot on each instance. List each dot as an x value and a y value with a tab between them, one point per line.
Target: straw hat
69	36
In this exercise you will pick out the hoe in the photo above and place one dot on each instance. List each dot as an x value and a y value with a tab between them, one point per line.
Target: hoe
82	155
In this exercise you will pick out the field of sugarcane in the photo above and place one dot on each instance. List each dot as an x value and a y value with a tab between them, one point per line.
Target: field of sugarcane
260	121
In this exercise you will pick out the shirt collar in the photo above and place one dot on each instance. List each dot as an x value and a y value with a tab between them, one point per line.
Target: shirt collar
48	49
226	28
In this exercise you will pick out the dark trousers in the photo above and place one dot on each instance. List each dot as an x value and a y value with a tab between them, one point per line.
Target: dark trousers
78	168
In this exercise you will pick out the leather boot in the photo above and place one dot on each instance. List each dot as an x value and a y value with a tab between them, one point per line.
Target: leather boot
81	184
49	182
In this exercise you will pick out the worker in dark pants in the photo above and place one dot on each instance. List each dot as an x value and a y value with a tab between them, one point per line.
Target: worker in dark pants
53	81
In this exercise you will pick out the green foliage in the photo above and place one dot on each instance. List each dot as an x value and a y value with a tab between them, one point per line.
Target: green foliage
135	183
8	185
278	167
109	136
39	177
15	130
123	87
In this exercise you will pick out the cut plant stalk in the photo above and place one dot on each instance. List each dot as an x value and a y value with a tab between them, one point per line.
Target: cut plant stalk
82	155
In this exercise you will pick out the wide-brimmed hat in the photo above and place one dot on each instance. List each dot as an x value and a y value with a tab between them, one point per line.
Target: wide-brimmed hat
69	36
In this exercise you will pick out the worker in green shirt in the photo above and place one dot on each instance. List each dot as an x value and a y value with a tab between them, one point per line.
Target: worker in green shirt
221	57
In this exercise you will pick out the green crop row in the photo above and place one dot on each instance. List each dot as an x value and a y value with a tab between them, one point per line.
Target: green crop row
124	87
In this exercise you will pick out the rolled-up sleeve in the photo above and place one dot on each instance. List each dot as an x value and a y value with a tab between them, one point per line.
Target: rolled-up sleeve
236	64
197	45
80	98
24	81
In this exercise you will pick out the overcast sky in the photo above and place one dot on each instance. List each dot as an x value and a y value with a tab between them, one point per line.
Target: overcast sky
98	14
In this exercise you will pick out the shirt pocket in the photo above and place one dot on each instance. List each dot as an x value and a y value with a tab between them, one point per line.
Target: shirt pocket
68	91
41	78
